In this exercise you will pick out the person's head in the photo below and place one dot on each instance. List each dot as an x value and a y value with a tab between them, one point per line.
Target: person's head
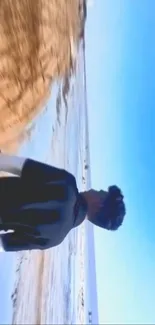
105	209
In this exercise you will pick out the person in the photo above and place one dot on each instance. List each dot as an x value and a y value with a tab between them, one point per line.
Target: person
40	205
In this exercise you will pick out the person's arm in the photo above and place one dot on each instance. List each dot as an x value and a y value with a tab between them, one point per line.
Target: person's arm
34	171
11	164
15	242
40	172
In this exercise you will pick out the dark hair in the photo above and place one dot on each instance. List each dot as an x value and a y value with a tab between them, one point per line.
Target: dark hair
111	215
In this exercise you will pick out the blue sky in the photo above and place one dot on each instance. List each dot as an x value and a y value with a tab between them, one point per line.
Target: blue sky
121	98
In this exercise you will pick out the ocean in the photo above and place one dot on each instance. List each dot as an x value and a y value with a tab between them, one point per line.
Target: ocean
57	286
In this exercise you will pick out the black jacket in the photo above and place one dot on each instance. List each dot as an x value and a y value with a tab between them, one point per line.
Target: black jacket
41	206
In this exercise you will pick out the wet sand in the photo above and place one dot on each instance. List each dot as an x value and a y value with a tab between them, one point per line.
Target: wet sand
38	41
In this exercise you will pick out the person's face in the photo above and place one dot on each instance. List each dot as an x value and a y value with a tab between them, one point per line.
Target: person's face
95	200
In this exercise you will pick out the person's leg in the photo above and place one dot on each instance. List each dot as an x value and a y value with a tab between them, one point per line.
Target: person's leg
16	242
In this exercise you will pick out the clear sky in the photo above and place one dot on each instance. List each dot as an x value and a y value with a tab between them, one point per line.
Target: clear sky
120	53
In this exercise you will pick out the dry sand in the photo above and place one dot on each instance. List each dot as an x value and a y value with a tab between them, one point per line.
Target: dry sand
36	48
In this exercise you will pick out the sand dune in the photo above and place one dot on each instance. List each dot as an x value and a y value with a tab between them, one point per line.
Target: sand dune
36	47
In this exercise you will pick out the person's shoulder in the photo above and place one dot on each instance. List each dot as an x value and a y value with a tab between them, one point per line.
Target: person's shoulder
42	172
70	178
71	184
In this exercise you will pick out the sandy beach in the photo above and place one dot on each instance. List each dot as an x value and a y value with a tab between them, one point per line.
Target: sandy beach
44	287
58	285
